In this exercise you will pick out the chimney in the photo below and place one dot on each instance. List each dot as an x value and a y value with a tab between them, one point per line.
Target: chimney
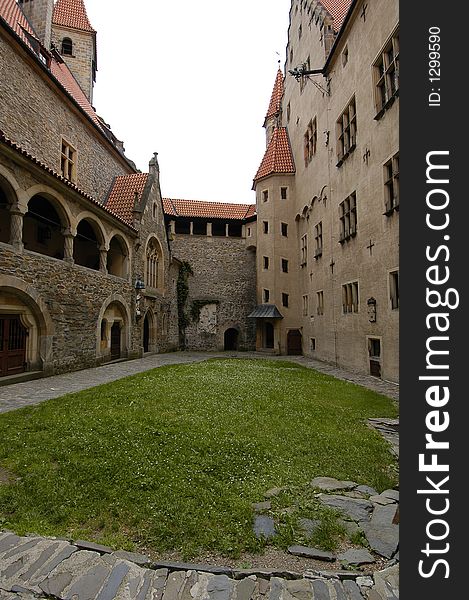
39	14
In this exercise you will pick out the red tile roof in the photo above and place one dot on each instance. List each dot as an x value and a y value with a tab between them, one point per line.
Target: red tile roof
338	10
71	13
207	210
278	157
122	196
276	99
17	148
14	16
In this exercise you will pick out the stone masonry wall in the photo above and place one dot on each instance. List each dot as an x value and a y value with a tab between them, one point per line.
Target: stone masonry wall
40	121
225	278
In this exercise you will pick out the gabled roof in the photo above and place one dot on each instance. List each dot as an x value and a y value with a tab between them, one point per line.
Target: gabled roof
338	10
71	13
207	210
21	151
276	98
121	198
278	157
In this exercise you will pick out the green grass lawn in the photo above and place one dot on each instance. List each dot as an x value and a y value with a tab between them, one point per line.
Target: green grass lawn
172	459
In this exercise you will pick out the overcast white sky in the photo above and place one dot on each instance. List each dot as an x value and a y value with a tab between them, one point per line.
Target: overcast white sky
190	80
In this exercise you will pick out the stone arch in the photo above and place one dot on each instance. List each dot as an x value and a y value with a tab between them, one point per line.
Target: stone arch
323	193
114	313
21	300
154	264
118	255
149	333
231	339
45	222
89	242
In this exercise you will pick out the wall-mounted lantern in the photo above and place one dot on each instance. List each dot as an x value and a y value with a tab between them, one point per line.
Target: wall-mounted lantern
139	286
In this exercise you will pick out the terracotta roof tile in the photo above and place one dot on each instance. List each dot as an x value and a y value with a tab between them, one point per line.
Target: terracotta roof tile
276	98
15	18
122	196
207	210
17	148
71	13
278	157
338	10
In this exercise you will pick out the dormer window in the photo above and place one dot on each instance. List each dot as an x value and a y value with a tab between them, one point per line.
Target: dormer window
67	47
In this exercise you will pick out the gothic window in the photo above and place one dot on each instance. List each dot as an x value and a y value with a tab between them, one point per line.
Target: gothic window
318	239
67	47
153	265
304	250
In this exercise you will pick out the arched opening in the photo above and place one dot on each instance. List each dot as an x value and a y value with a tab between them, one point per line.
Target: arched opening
231	339
117	258
116	347
294	342
67	46
154	273
43	228
113	330
86	245
5	221
268	335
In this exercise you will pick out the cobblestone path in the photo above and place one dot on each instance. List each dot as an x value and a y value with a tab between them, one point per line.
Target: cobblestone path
35	567
32	392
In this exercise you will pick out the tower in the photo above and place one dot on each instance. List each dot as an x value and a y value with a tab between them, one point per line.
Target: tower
274	112
39	14
75	39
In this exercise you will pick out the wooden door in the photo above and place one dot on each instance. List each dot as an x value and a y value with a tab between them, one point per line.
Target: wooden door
12	345
115	341
294	342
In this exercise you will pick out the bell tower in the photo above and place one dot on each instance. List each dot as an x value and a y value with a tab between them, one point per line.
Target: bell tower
75	39
39	14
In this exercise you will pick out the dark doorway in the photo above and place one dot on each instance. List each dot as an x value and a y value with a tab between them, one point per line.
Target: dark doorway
294	343
115	341
146	334
374	352
12	345
231	339
268	335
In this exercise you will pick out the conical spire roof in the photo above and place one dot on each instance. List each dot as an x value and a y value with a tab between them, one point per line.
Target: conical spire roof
278	157
277	94
71	13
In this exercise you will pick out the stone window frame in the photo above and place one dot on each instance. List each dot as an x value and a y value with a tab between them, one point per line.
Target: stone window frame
265	296
265	262
265	195
318	240
284	229
66	47
285	299
391	184
346	126
350	298
153	264
68	161
265	225
305	305
386	75
394	289
320	302
304	250
284	265
348	218
310	141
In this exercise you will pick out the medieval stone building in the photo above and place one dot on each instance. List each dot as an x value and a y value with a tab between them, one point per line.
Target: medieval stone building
327	190
96	266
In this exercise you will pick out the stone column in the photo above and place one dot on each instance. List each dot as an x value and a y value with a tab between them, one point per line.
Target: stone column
191	228
209	229
103	259
68	246
227	227
16	228
172	227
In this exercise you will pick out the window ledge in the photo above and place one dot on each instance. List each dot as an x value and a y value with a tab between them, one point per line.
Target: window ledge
346	155
390	211
347	238
386	106
318	254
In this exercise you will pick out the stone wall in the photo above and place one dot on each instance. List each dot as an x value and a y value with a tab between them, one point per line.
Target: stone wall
222	290
37	115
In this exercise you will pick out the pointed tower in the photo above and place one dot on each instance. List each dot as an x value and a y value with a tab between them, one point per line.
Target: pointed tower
75	39
39	14
274	112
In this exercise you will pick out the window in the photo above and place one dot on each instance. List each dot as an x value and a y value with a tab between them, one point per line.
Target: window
266	262
304	250
285	299
320	303
266	295
394	289
153	264
346	132
345	56
300	32
265	195
291	56
154	210
350	300
305	305
283	193
386	75
391	185
348	218
249	232
67	47
68	161
288	112
284	229
266	226
284	265
313	344
310	141
318	239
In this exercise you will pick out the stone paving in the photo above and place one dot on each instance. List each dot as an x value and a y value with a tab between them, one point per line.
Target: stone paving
36	567
29	393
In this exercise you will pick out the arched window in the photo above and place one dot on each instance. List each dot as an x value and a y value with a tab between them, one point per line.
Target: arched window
153	265
86	246
43	229
67	47
117	258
